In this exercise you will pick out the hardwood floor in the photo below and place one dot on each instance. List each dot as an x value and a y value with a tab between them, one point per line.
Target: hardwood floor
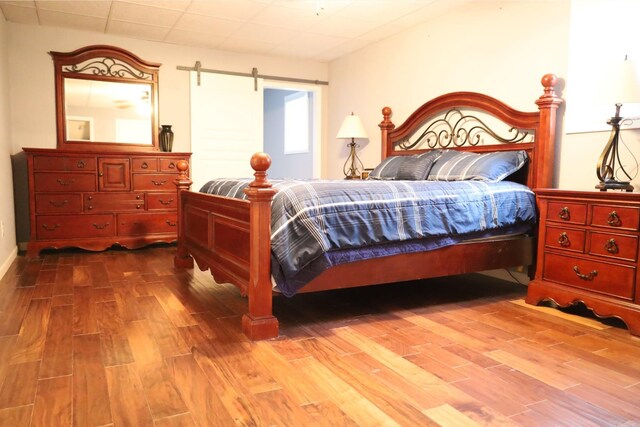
120	338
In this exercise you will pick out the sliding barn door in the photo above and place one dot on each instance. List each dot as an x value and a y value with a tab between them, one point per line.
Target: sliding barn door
226	126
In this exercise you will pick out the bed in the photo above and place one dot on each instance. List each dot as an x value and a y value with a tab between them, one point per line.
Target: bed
233	236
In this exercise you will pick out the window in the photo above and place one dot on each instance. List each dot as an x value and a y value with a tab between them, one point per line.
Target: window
296	123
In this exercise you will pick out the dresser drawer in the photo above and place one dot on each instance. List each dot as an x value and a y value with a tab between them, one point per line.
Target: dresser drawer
596	276
618	246
49	227
49	163
113	202
618	217
154	182
67	182
169	165
157	201
565	238
58	203
569	213
150	223
145	165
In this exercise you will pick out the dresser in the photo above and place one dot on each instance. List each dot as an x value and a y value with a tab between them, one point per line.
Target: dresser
588	252
93	200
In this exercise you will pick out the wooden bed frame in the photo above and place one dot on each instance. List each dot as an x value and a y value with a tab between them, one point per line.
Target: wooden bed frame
231	237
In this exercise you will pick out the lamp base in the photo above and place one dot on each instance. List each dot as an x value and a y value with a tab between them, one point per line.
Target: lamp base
611	184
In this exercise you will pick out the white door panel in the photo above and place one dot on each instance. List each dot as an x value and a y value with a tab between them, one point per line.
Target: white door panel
226	126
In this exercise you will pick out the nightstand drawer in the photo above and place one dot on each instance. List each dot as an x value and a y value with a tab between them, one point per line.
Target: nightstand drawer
569	213
618	246
565	238
595	276
618	217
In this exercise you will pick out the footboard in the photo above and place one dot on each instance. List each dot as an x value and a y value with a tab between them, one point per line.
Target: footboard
232	239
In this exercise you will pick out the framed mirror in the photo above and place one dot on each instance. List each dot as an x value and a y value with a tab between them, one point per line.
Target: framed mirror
106	99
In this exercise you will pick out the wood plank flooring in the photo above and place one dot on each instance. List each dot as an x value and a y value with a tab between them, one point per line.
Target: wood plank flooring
120	338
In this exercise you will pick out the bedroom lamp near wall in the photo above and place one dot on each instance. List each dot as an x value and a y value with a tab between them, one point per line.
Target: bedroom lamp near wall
351	129
626	90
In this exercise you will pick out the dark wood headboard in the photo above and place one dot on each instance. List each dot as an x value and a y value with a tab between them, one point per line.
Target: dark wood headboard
451	121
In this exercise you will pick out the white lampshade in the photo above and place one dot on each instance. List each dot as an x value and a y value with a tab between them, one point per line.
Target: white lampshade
626	83
352	128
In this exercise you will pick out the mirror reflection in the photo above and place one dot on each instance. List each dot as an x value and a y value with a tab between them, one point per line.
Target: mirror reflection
99	111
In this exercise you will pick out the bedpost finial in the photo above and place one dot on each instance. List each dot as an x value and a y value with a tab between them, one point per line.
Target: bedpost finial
549	81
260	162
386	113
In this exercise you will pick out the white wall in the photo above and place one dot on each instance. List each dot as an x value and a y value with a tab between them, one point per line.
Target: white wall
501	48
8	247
32	84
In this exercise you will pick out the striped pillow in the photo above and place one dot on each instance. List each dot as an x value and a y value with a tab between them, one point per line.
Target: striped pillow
410	168
464	165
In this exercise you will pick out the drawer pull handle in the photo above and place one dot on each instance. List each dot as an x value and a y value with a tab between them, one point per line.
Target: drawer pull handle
166	202
138	206
58	204
564	241
613	219
588	277
65	182
80	164
101	226
90	207
564	214
138	197
171	224
172	165
50	228
163	182
145	165
611	246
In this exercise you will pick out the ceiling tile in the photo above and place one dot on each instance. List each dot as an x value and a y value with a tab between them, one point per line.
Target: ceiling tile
287	17
141	14
327	7
229	9
19	14
264	33
380	11
382	32
68	20
343	27
97	8
165	4
137	31
207	24
248	46
191	38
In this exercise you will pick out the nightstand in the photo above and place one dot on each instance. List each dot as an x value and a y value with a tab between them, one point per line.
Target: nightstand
588	252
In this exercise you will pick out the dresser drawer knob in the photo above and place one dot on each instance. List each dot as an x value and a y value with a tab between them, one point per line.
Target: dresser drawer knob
588	277
145	165
171	223
563	240
611	246
50	227
58	204
138	206
80	164
613	219
65	181
165	202
172	165
100	226
564	214
163	182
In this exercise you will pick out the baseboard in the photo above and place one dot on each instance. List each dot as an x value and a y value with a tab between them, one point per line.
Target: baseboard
7	263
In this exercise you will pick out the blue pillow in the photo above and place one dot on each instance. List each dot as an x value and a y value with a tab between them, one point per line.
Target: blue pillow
413	168
464	165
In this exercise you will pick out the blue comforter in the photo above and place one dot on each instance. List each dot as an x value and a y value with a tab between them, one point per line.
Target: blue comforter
313	218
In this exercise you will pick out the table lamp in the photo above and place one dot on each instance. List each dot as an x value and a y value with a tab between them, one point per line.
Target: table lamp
352	128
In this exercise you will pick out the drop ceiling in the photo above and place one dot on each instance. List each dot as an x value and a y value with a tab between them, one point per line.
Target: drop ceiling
309	29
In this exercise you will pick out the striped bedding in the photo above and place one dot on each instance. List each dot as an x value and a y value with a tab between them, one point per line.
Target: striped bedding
311	219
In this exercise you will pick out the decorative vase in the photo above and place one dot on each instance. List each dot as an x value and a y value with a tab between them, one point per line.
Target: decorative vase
166	138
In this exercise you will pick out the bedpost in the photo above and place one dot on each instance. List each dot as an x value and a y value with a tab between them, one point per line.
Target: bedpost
548	104
182	259
386	125
260	323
